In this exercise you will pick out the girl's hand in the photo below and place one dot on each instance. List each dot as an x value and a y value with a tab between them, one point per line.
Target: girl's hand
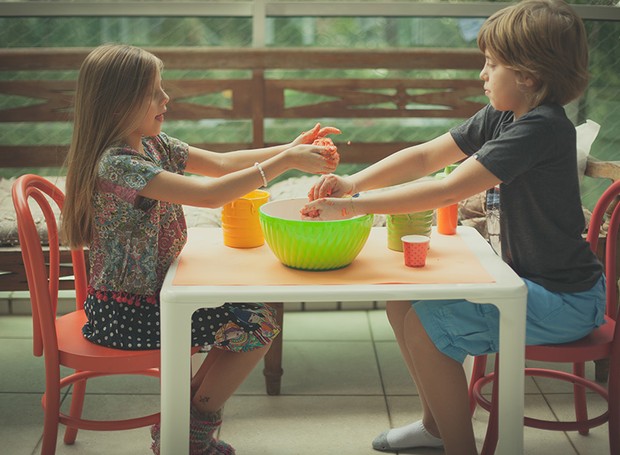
329	209
308	137
312	158
331	186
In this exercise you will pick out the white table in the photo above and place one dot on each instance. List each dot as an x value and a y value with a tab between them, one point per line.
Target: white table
507	292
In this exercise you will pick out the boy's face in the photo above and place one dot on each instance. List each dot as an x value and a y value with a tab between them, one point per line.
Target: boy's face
506	88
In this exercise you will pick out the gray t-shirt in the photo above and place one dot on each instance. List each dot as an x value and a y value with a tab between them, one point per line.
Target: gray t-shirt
541	218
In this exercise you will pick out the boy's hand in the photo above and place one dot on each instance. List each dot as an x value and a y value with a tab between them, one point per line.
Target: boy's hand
328	209
331	186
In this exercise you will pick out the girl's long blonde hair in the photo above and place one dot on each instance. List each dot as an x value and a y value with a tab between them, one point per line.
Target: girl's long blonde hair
114	87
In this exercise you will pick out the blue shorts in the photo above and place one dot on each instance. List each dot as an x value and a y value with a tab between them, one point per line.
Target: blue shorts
459	327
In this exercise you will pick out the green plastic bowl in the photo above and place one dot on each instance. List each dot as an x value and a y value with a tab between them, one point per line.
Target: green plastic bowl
311	245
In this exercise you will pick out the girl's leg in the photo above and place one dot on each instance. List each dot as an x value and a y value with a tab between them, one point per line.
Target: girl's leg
219	376
247	328
202	370
221	373
442	381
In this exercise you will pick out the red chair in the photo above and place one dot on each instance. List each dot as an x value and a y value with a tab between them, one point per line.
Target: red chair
602	343
59	339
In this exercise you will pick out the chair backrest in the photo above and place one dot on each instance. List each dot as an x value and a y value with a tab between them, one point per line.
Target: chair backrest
43	280
608	205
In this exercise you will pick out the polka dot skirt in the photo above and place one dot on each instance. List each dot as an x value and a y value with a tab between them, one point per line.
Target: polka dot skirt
129	321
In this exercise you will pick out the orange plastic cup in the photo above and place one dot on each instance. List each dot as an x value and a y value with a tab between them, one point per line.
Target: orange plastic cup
240	223
447	218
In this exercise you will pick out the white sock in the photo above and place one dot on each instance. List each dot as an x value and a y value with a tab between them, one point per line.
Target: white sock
412	435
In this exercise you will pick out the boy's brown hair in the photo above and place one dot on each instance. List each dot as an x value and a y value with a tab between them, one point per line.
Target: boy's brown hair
543	39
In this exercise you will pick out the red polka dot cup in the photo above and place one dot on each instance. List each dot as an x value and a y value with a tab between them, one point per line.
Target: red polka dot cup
415	248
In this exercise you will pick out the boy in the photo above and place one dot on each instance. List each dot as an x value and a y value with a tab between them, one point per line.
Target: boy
536	61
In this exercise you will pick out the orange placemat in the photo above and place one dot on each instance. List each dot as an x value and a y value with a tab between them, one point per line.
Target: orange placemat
207	261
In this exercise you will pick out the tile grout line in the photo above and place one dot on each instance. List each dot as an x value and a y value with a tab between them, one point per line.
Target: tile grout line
374	348
553	413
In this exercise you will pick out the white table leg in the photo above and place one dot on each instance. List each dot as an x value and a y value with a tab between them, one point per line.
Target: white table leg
511	382
176	326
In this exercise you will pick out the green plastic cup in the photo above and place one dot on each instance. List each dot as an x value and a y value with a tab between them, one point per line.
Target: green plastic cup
417	223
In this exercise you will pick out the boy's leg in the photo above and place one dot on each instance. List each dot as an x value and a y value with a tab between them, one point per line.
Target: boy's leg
396	313
421	433
443	383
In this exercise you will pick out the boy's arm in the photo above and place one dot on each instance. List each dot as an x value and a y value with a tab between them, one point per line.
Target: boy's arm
409	164
468	179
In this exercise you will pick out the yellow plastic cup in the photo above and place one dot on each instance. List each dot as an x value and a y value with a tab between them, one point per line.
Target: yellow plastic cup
240	223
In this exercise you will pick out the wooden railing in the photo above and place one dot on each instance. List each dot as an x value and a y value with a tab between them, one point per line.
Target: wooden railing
258	97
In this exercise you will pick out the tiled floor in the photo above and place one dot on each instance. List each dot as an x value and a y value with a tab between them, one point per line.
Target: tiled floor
344	383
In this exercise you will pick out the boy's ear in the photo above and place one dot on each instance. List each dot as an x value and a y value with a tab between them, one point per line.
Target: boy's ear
529	81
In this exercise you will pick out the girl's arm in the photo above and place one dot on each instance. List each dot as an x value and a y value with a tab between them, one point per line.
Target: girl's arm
175	188
214	164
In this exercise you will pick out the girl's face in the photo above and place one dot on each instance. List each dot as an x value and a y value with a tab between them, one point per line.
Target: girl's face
153	120
506	88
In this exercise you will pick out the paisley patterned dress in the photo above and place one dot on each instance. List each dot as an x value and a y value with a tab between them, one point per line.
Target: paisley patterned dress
136	240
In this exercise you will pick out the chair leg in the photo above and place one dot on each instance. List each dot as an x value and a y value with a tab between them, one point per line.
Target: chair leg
51	419
273	359
614	427
490	439
480	365
601	370
614	411
579	392
77	404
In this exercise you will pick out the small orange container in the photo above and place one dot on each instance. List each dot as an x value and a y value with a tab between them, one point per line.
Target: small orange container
240	223
447	218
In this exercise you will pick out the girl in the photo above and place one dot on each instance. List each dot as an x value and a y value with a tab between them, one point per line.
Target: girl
125	187
536	61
